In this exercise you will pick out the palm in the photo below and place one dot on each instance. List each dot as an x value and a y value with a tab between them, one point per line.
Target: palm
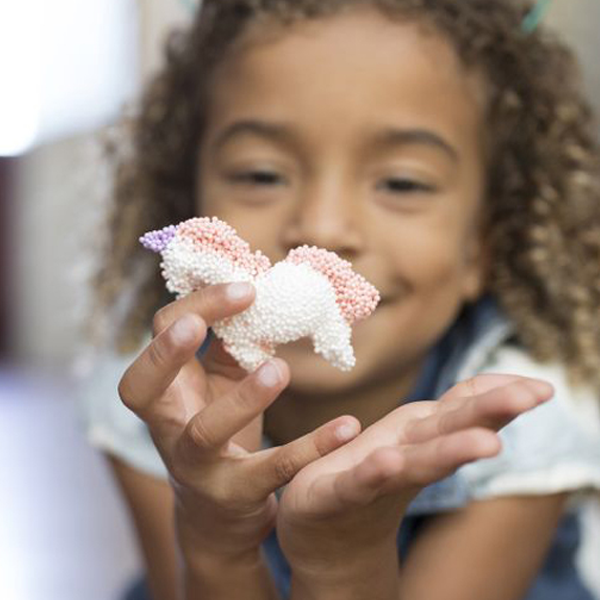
412	446
313	491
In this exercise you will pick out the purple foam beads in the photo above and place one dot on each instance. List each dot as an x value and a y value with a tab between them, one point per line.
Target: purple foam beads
158	240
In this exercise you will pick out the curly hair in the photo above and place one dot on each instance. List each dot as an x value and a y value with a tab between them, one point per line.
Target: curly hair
543	185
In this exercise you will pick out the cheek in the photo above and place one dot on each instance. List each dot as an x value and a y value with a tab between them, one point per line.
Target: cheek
432	255
442	264
259	226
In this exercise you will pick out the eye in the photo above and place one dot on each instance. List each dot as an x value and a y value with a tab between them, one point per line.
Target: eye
403	185
258	177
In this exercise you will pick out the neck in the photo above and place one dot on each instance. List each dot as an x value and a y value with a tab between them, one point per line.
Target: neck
295	414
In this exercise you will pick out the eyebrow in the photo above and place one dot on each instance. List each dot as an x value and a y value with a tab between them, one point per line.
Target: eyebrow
388	137
404	137
271	131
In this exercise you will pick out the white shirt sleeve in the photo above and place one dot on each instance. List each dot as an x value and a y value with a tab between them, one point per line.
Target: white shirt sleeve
552	448
110	425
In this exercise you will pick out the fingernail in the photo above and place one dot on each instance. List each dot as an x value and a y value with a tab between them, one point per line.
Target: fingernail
346	431
268	374
238	290
541	387
184	330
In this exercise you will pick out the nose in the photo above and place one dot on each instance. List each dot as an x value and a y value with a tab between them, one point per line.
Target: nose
327	214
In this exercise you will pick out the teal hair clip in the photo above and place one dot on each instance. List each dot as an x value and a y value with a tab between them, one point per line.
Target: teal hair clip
535	16
191	5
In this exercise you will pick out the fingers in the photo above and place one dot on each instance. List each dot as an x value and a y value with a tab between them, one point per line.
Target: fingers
179	329
276	467
358	486
214	426
439	457
480	384
389	470
211	303
149	376
492	407
362	484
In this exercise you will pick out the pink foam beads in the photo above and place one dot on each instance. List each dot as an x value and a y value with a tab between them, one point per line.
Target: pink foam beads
213	235
355	296
312	293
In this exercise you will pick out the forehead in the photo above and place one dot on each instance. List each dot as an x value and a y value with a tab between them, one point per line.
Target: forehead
358	65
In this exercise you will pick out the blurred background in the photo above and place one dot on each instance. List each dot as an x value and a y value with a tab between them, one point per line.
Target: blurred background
67	70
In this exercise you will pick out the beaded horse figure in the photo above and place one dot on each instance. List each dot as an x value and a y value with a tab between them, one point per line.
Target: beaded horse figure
311	293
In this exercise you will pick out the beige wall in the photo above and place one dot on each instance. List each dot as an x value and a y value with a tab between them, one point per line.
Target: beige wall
62	190
157	19
579	23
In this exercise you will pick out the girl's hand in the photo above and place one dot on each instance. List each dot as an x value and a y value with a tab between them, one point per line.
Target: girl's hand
206	422
356	497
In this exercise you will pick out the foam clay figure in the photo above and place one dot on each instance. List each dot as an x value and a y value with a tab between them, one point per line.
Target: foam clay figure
312	293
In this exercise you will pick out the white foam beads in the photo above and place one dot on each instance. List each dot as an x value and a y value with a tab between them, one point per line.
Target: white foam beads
312	293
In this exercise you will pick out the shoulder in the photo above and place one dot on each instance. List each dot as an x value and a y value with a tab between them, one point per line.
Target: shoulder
109	424
553	448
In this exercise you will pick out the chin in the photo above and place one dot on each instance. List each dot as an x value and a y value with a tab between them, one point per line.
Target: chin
376	359
311	374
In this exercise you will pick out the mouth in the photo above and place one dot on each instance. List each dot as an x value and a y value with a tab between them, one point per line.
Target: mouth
381	308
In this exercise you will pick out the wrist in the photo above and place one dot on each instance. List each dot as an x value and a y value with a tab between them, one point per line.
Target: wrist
348	573
205	532
218	576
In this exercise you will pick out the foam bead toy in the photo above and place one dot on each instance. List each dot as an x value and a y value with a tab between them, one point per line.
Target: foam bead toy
311	293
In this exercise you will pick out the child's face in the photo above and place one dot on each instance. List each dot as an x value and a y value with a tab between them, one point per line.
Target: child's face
363	136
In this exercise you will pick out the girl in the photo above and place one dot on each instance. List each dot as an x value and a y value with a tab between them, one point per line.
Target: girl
446	153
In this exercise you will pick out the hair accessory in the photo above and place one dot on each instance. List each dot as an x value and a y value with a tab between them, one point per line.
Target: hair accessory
311	293
191	5
535	16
